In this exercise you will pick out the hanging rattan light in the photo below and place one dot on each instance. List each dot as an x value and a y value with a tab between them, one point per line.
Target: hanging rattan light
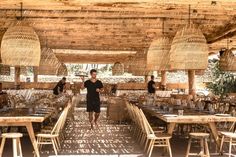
228	61
62	70
20	45
5	70
139	65
189	49
118	69
49	63
158	53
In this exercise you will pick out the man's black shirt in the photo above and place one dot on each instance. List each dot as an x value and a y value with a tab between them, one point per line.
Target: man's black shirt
59	85
151	89
92	94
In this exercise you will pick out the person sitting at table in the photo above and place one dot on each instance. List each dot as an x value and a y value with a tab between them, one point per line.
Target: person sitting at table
151	86
59	88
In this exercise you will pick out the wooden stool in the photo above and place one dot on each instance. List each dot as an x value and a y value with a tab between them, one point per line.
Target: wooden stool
15	141
203	142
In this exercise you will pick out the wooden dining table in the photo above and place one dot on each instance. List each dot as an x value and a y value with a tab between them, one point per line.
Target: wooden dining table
25	117
191	117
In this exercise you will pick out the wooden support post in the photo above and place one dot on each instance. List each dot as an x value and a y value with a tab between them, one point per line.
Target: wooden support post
191	82
17	77
146	78
36	72
163	79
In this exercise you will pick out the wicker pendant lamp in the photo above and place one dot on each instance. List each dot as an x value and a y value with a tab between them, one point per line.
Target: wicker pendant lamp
228	61
62	70
49	63
139	66
158	53
20	46
189	50
118	69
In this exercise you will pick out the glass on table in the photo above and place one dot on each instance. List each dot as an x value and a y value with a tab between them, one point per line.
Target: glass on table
181	112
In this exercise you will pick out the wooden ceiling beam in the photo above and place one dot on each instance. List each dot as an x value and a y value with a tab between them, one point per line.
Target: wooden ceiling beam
223	32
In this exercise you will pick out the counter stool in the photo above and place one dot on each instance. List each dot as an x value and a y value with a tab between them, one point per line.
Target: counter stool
203	143
15	141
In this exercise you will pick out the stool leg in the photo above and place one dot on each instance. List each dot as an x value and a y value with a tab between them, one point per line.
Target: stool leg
202	148
54	146
169	148
206	148
230	147
151	148
221	144
2	146
19	147
189	146
14	143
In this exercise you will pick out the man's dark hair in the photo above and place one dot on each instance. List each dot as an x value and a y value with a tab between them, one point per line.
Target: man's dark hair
64	78
152	77
93	71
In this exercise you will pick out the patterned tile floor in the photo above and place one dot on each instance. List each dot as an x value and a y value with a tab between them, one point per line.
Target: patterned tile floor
109	139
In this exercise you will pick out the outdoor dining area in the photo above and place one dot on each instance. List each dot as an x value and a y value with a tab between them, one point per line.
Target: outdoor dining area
137	78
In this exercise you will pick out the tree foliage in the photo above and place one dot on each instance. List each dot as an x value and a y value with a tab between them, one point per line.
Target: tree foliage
222	82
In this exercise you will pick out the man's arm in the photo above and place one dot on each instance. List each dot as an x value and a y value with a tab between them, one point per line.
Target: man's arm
100	88
154	86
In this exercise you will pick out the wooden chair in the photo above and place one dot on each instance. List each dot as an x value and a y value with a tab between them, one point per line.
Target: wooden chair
154	139
52	138
17	152
203	142
144	133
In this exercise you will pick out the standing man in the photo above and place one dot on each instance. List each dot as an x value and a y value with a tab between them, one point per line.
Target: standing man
151	86
59	88
94	87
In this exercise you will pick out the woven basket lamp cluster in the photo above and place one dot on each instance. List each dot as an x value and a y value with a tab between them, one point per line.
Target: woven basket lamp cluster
20	46
118	69
228	61
49	63
189	50
158	55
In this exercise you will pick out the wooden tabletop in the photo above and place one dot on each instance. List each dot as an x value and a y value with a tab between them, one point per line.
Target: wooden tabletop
25	115
190	116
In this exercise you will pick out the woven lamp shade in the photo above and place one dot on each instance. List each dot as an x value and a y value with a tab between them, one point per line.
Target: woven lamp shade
5	70
49	63
126	67
139	65
20	46
62	70
158	55
189	50
118	69
228	61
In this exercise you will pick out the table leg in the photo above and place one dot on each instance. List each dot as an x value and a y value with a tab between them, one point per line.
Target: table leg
215	133
32	138
171	128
